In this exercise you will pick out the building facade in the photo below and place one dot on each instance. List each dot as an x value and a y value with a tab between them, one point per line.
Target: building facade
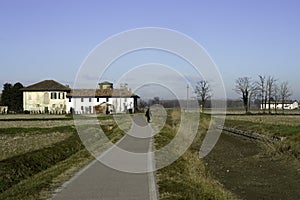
54	98
47	96
105	99
287	105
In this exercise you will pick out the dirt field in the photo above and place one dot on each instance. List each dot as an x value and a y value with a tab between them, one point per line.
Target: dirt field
242	167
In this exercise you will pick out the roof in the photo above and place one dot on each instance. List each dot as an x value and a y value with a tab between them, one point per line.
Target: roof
285	102
105	83
46	85
101	93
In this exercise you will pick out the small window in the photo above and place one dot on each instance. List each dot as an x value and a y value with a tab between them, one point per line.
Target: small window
53	95
63	95
81	99
90	109
81	107
90	99
59	95
97	99
70	99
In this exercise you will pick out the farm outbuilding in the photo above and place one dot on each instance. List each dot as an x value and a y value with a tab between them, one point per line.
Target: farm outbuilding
287	105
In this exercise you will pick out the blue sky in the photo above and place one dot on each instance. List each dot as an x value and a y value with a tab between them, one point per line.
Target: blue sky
50	39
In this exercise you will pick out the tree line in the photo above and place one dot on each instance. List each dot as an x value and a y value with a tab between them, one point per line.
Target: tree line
267	89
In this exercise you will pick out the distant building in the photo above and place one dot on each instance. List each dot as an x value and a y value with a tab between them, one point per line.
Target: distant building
47	96
288	105
105	99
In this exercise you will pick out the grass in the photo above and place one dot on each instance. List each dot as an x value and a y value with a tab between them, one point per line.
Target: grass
36	160
284	128
39	185
187	177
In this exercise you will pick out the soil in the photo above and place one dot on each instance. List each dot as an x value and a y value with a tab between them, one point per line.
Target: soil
244	168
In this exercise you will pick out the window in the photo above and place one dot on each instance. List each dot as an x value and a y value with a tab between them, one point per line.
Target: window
90	99
81	107
53	95
46	98
59	95
97	99
81	99
63	95
90	109
70	99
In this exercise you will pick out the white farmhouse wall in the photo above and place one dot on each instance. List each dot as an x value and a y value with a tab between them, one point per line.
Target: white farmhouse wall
41	101
82	105
85	105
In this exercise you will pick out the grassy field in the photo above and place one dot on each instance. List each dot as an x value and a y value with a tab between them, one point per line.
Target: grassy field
187	177
36	158
38	154
285	126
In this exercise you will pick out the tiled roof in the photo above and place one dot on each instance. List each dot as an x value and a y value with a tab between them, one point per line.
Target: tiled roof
101	93
46	85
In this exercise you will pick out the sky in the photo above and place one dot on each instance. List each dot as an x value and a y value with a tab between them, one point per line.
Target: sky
51	39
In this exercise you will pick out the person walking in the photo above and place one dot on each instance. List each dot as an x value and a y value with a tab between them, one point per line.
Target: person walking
148	115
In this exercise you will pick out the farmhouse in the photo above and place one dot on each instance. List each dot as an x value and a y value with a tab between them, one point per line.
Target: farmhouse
287	105
105	99
47	96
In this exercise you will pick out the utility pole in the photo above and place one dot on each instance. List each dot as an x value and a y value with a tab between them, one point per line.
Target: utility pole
187	97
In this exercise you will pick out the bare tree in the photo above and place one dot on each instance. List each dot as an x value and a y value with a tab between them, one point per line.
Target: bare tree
203	92
270	90
253	92
276	96
284	92
244	87
261	89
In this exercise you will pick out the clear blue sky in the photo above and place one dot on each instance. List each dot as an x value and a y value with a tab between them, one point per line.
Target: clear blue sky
50	39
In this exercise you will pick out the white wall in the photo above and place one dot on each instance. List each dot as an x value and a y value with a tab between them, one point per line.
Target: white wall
287	106
39	102
87	105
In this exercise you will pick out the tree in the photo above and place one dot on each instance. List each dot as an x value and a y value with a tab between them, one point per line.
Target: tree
17	98
244	87
6	95
203	92
276	96
12	97
155	100
284	92
270	90
261	89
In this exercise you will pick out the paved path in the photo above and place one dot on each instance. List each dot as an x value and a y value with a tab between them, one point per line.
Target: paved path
97	181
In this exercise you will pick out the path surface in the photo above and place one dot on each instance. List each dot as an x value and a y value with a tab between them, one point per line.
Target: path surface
97	181
243	168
